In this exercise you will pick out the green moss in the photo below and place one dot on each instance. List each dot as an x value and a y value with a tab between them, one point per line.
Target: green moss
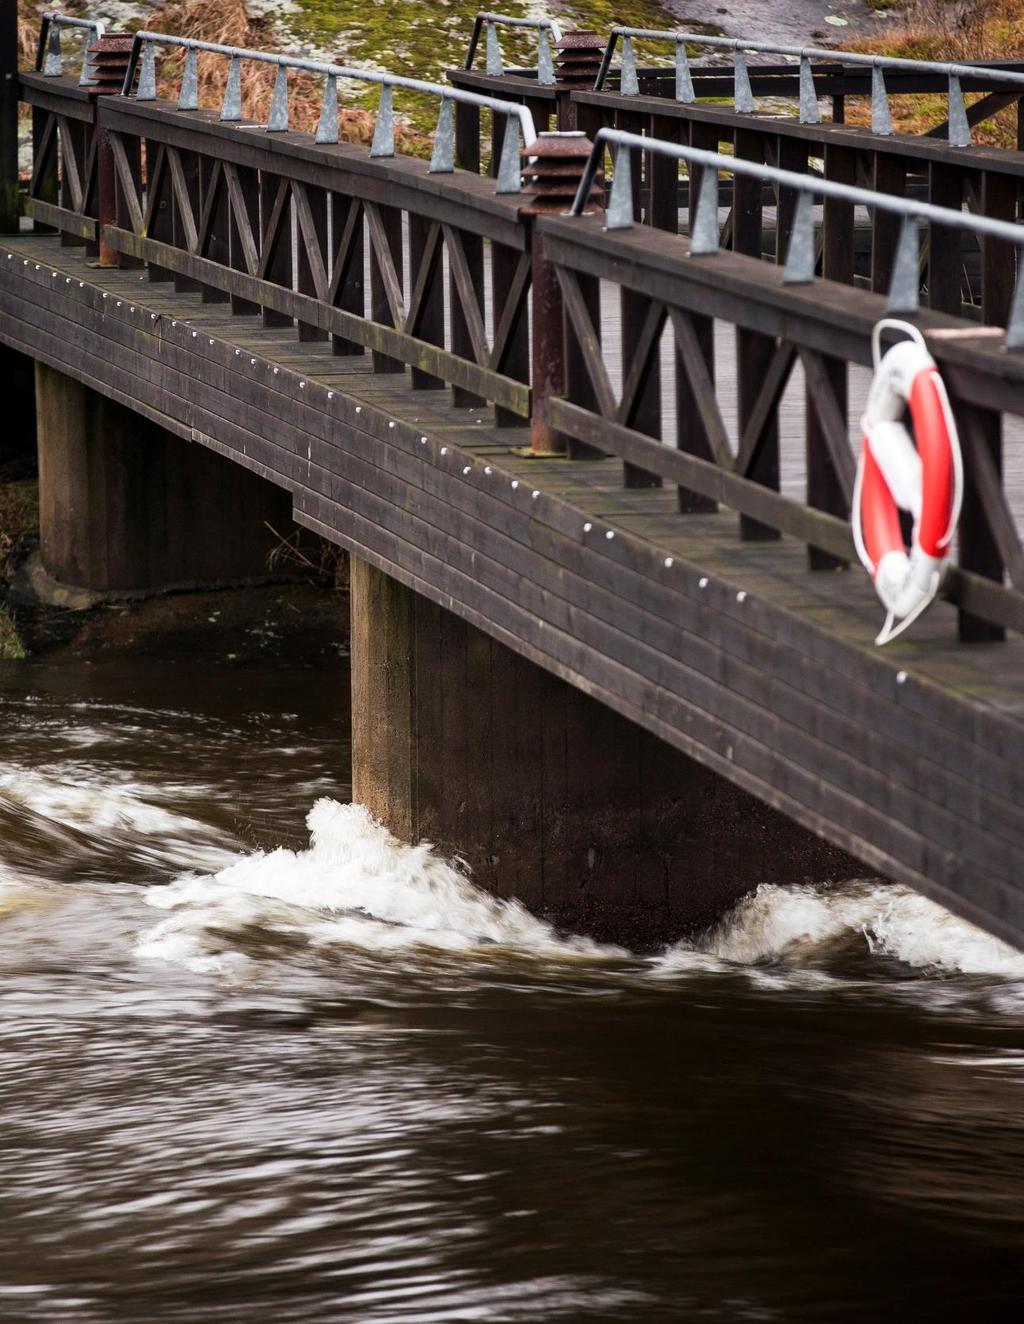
422	41
11	647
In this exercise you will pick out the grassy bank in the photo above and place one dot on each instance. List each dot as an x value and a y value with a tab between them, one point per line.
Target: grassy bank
409	37
19	517
938	30
11	647
401	36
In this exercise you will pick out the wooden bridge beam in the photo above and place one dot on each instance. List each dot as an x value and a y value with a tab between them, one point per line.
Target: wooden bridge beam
547	794
127	506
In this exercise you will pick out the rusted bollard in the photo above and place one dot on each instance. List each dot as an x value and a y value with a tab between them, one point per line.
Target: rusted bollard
553	166
577	62
108	61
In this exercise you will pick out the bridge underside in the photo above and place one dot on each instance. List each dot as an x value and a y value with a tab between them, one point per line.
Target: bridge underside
732	652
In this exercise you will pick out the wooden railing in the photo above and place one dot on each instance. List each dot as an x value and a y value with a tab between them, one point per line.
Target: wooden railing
63	186
1004	85
280	224
819	326
467	283
987	181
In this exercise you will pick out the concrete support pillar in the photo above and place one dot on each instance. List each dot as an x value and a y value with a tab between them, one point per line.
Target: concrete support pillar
548	794
127	506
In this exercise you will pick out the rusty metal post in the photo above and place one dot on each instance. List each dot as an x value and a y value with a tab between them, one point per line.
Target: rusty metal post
106	197
548	365
577	63
109	63
553	166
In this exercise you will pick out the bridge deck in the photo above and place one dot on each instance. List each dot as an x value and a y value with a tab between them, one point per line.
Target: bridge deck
765	671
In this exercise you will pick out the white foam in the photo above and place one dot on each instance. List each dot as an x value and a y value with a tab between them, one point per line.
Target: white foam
357	884
14	893
91	804
74	796
797	925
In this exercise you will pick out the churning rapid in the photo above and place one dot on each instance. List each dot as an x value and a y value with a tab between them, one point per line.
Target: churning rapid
261	1061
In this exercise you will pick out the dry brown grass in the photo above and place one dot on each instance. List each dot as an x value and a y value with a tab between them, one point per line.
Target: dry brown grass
938	30
307	554
228	23
19	517
28	32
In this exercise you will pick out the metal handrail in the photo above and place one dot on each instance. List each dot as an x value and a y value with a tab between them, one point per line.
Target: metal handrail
801	259
743	99
49	59
495	68
143	61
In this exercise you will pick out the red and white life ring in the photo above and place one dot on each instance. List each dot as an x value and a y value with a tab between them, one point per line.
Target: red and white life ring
893	475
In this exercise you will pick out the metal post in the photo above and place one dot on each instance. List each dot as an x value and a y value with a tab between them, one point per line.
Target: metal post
9	202
554	166
109	59
106	195
548	368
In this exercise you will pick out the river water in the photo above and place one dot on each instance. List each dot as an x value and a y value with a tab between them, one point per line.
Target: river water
250	1075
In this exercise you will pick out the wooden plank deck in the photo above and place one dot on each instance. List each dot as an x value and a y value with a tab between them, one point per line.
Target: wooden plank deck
910	758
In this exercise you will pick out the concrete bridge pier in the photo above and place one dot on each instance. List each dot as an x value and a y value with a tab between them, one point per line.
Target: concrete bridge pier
549	795
127	506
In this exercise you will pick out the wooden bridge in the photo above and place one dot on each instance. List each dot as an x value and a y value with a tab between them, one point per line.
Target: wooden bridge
610	640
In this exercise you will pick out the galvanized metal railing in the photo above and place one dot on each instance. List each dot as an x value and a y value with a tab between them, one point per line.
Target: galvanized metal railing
142	63
49	57
743	97
546	28
801	259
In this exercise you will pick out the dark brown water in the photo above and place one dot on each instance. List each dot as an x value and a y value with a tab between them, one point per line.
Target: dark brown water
336	1083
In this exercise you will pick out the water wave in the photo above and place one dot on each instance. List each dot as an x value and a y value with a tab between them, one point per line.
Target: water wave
70	799
356	884
15	893
804	926
77	823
